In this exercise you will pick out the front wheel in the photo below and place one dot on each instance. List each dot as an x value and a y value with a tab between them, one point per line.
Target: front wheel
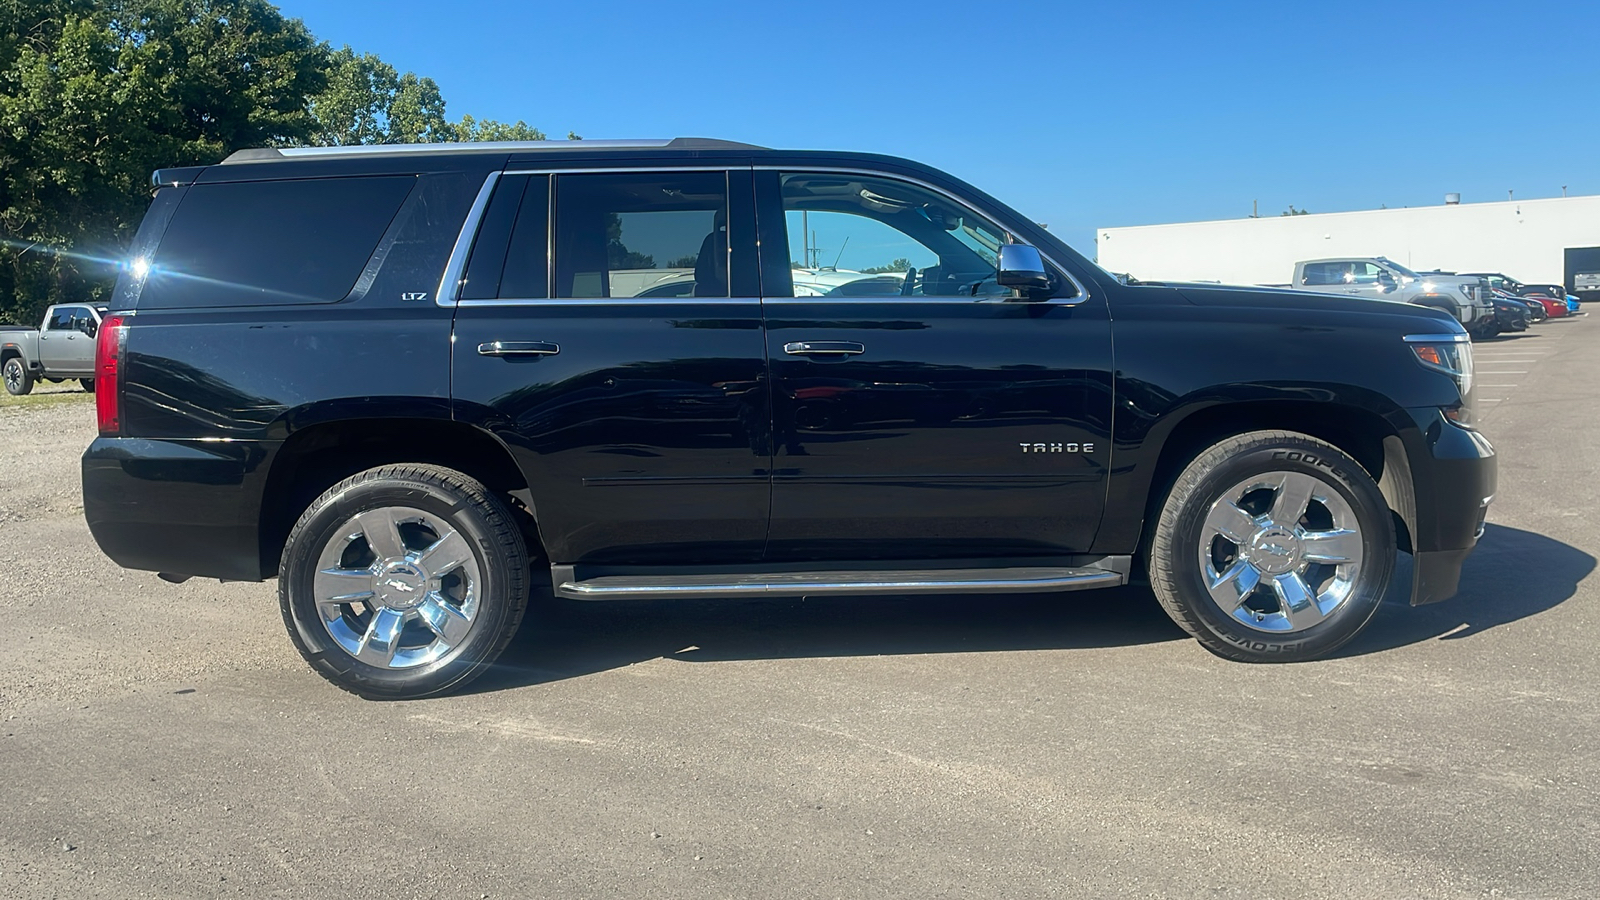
1272	546
18	379
88	384
403	581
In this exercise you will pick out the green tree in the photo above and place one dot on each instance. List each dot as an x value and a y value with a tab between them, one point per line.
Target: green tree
367	101
1291	211
896	266
95	95
470	129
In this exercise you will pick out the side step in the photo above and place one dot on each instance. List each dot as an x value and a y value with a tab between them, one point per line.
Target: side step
1007	580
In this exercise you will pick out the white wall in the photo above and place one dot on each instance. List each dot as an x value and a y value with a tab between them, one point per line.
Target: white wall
1522	238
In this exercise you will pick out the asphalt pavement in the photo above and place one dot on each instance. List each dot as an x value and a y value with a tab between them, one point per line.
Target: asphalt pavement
166	741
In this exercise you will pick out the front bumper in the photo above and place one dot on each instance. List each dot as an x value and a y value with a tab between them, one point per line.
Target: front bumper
1453	477
187	507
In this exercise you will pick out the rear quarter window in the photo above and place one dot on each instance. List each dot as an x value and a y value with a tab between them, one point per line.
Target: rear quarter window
271	242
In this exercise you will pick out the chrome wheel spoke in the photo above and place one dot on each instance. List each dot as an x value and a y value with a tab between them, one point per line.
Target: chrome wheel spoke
444	619
1231	587
1338	546
395	595
1299	601
382	640
335	587
382	531
1228	520
1294	496
446	554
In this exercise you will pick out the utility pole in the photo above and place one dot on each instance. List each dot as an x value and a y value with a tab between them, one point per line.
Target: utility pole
1255	209
1563	190
805	238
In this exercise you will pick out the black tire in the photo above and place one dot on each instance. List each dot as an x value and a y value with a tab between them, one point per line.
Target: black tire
1176	561
15	374
88	384
497	549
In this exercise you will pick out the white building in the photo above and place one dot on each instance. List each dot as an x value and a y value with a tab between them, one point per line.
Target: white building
1530	240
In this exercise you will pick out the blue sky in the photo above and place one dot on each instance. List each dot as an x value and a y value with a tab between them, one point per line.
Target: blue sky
1081	115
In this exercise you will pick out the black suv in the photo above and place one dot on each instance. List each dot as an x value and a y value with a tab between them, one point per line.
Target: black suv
419	384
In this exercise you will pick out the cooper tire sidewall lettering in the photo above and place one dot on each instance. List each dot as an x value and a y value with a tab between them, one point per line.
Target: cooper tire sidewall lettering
1275	451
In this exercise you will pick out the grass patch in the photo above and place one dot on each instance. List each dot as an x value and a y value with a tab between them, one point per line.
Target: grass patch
46	398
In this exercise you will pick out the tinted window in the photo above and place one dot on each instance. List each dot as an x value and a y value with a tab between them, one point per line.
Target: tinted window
632	234
481	280
61	319
1328	273
527	270
858	236
269	242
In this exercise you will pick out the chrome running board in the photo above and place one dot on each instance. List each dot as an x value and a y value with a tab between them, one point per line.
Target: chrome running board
1011	579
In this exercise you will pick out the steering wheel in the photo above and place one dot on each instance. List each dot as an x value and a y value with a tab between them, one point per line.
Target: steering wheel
910	282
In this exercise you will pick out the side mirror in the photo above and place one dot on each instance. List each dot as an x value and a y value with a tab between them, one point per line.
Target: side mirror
1386	281
1022	267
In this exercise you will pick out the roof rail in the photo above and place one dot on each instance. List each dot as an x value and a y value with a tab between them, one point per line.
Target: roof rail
271	154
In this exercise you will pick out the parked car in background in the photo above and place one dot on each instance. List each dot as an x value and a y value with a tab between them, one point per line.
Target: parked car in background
1510	314
1503	282
1536	310
61	347
1555	309
1586	285
1467	299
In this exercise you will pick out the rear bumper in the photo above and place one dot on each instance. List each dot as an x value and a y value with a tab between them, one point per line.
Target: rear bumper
1453	474
187	507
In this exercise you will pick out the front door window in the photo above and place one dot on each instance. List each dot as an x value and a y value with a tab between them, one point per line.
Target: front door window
865	237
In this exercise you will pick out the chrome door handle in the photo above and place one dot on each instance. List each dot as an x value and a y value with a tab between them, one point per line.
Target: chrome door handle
518	348
824	348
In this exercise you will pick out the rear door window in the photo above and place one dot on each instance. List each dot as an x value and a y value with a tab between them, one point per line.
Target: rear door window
1326	273
644	234
272	242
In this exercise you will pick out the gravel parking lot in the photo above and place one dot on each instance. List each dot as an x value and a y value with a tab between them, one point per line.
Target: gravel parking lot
166	741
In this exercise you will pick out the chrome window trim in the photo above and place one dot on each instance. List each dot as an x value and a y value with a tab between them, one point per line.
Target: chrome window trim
449	293
1083	292
623	170
450	284
609	301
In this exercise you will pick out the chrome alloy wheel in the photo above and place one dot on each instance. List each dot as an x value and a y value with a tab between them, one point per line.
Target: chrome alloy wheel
1280	551
397	587
13	373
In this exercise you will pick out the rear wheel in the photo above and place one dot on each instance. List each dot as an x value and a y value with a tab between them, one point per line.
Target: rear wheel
88	384
403	582
18	379
1272	547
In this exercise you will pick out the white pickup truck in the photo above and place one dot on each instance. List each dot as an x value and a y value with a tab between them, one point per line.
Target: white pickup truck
61	348
1468	299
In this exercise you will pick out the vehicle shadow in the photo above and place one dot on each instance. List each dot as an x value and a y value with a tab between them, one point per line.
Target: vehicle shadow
1512	575
565	639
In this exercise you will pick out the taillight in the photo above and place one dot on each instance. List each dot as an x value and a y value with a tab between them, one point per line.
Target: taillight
109	348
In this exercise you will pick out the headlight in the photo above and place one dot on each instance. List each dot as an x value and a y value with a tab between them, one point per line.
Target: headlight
1452	355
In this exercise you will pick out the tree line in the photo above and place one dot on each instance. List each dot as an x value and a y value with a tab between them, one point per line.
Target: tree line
96	94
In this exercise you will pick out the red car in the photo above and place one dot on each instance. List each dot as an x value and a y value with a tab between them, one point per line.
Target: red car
1555	308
